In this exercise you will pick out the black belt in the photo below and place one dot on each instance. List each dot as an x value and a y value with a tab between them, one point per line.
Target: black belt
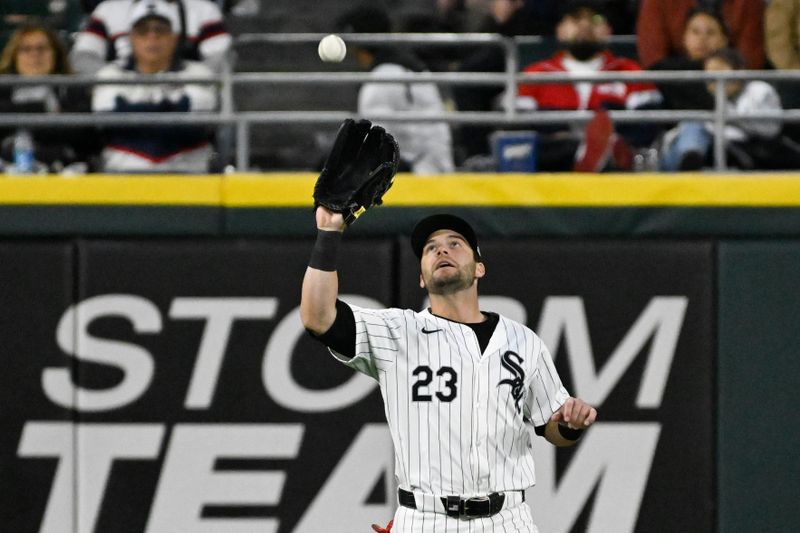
458	507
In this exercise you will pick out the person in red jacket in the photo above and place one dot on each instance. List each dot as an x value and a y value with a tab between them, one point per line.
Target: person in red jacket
583	34
659	28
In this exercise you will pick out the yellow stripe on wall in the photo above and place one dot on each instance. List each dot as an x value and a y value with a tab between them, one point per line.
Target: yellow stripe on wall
269	190
591	190
111	190
481	190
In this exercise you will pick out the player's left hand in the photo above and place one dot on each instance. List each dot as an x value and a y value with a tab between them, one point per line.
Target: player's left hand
387	529
358	171
576	414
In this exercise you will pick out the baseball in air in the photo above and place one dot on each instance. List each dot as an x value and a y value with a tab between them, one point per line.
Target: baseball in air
332	49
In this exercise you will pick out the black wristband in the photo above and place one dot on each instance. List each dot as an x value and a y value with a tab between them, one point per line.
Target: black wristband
326	250
569	433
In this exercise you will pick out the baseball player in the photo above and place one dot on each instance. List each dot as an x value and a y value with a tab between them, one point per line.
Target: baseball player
461	386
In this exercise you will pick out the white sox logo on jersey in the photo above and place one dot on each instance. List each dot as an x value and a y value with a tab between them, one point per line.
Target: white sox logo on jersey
511	361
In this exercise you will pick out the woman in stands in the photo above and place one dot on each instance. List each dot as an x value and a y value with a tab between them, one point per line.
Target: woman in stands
704	33
35	50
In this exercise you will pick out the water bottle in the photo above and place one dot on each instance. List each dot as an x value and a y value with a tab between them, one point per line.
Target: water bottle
23	152
646	160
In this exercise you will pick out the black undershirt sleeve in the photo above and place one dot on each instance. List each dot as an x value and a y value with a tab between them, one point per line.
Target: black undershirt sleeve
341	337
566	432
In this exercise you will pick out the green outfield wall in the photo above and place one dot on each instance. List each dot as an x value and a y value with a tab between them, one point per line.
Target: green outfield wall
758	380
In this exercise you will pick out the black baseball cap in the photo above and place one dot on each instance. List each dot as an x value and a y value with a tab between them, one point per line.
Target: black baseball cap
427	226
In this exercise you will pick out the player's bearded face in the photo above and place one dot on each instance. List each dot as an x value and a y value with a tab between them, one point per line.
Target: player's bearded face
448	265
451	280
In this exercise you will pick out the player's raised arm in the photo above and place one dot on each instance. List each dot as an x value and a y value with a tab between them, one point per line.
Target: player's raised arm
358	172
321	284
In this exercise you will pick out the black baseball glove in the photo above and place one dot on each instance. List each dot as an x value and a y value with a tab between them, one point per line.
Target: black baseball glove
359	170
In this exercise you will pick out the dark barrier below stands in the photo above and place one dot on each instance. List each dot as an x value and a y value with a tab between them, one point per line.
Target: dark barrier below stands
199	402
543	222
37	283
65	221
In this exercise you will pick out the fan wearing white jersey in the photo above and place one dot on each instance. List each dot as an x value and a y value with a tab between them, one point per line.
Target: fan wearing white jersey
106	38
461	387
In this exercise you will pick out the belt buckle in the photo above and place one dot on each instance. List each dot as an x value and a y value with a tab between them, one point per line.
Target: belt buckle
478	501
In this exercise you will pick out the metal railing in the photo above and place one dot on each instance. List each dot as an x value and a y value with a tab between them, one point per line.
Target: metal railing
511	116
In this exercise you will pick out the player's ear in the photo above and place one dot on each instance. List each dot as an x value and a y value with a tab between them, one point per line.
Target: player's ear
480	270
421	281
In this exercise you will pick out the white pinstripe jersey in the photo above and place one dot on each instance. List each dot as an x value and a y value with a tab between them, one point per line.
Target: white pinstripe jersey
457	417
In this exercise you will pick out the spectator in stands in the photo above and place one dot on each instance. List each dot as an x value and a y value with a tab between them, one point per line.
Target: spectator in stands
660	26
425	147
201	31
782	39
583	33
226	5
154	40
782	33
34	50
704	33
750	143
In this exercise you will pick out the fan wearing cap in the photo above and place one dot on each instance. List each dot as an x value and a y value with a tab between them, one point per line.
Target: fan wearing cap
461	386
154	41
105	36
583	32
